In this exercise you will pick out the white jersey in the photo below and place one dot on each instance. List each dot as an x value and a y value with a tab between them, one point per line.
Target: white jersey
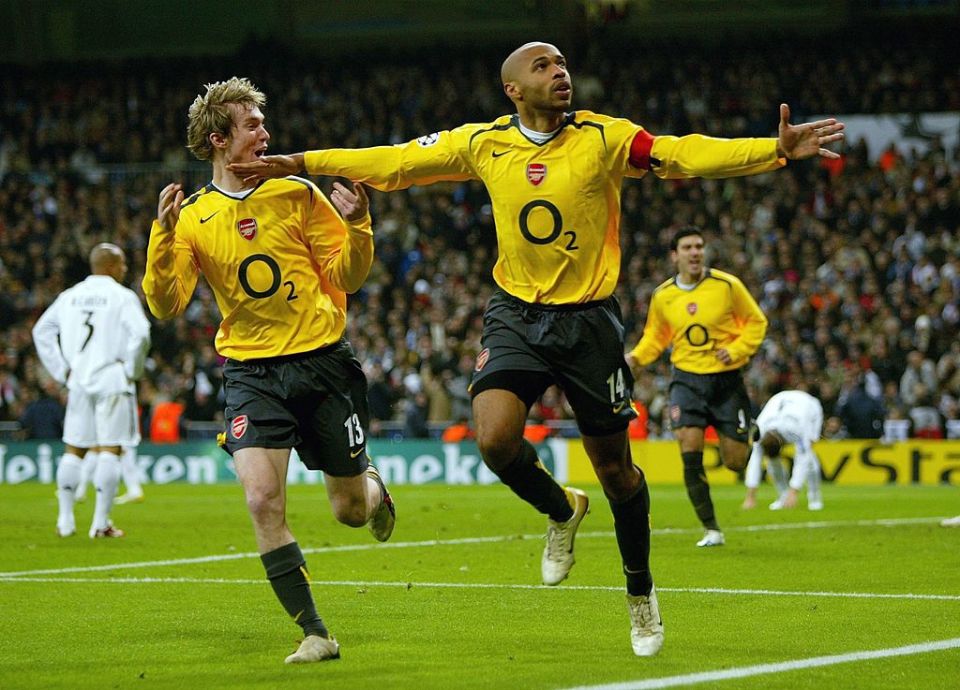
94	337
795	415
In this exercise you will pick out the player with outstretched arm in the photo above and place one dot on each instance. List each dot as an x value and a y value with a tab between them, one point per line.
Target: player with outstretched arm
554	176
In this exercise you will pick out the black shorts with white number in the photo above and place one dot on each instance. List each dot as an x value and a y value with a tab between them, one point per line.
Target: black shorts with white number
315	402
717	399
527	347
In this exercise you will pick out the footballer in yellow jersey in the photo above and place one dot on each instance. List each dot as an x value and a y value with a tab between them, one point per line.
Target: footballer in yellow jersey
714	326
280	259
697	320
556	204
554	176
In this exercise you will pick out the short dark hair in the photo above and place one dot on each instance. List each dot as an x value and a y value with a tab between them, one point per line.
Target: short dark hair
685	231
772	444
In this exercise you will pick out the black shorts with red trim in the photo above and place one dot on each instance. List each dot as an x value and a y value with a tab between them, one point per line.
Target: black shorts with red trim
527	347
313	401
719	399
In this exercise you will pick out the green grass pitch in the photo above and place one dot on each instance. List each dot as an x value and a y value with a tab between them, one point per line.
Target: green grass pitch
454	601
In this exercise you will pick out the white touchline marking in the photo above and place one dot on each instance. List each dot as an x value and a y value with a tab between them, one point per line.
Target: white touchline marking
457	542
780	667
252	554
410	584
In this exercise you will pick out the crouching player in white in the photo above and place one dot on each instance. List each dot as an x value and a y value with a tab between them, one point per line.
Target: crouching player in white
94	338
788	417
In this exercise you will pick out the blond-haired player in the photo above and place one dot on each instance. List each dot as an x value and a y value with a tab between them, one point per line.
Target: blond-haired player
280	259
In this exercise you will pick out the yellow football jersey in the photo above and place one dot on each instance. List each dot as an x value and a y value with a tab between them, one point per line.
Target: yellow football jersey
279	262
556	205
719	312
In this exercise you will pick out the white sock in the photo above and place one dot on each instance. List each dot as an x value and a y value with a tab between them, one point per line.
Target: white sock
130	471
754	471
68	477
778	474
87	467
813	484
106	480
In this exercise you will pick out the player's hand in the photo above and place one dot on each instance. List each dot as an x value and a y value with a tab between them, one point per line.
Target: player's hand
168	209
724	356
790	499
268	166
635	367
797	142
353	205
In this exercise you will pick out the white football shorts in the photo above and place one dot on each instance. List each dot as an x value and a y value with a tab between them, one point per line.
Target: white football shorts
101	420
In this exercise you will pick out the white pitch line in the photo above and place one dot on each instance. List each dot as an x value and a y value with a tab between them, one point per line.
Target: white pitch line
780	667
251	554
458	542
409	584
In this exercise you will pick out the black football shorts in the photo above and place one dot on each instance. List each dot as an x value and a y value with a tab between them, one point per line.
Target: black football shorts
719	400
314	401
527	347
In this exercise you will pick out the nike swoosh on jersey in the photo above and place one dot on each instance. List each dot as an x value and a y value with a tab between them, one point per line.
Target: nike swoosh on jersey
204	220
497	154
353	455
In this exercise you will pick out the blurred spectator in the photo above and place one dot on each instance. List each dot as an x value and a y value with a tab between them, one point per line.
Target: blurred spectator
415	413
536	430
457	431
379	394
9	392
43	417
833	429
165	421
920	370
861	414
924	416
866	261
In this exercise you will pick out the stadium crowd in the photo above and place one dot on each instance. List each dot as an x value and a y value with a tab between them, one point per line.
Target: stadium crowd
856	263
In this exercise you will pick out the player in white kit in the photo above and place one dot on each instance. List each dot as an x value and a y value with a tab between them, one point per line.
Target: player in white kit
94	338
789	417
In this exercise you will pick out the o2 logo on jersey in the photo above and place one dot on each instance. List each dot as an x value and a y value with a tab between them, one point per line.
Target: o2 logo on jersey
239	426
536	172
429	139
247	228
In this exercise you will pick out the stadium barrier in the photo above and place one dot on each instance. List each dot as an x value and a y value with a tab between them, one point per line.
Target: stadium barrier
434	462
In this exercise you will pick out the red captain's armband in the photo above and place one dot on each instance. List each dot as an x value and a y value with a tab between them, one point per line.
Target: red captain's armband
640	150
